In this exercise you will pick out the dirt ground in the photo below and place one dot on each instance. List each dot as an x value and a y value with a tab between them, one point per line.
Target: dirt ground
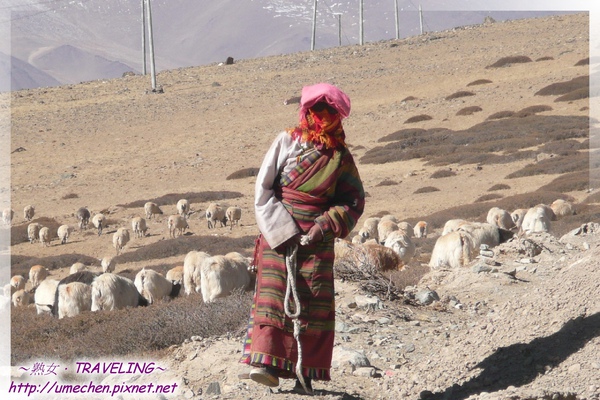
531	329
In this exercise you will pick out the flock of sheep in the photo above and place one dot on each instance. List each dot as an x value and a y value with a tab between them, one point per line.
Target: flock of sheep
89	289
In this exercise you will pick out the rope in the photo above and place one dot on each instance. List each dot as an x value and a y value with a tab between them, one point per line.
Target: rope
290	263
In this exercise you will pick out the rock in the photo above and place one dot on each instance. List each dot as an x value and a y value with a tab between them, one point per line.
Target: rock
344	356
370	302
367	372
213	389
427	297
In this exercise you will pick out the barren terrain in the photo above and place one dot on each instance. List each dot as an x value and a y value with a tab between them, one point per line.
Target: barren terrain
528	329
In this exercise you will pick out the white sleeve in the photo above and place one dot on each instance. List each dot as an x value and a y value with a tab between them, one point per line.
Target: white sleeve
274	221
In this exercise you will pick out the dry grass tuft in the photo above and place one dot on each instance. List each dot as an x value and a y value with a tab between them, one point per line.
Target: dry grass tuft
409	98
498	186
531	110
70	196
563	164
418	118
479	82
387	182
192	197
243	173
501	114
583	61
488	197
426	189
459	94
403	134
545	58
442	173
507	61
578	94
469	110
560	88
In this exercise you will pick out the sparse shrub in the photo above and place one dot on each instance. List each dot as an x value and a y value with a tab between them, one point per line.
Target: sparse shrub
409	98
442	173
243	173
545	58
507	61
572	182
527	111
562	147
426	189
578	94
555	165
469	110
488	197
359	147
459	94
387	182
502	114
583	61
479	82
403	134
560	88
498	186
70	196
418	118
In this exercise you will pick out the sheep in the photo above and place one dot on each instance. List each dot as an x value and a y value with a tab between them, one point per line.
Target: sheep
562	208
369	255
183	207
517	216
73	298
108	264
153	286
400	242
549	211
33	231
385	227
536	220
83	216
175	275
192	265
369	228
17	282
63	232
482	233
28	212
358	239
37	274
233	215
151	209
454	249
99	221
21	298
221	275
420	229
86	277
44	235
115	292
500	218
406	227
44	296
7	216
120	239
139	227
215	213
177	224
76	267
452	225
390	217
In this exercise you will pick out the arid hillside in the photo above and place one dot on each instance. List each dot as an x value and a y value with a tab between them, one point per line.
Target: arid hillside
444	125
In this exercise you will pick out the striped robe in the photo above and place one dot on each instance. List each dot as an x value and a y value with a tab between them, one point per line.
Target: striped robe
296	188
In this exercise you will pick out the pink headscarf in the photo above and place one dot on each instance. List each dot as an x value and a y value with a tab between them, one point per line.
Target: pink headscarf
324	92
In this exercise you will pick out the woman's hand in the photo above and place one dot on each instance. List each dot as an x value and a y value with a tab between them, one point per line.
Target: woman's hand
315	234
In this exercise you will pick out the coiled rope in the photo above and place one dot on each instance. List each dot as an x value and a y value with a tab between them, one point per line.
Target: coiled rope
290	263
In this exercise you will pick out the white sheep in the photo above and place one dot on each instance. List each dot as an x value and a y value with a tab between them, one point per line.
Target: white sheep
7	216
517	216
406	227
99	221
454	249
536	220
562	208
74	298
139	227
120	239
481	233
385	227
369	228
44	235
400	242
44	296
63	232
192	267
33	231
76	267
358	238
420	229
86	277
108	264
220	275
151	209
390	217
115	292
152	285
501	218
368	255
21	298
175	275
28	212
452	225
215	213
177	225
233	214
83	216
37	274
183	207
17	282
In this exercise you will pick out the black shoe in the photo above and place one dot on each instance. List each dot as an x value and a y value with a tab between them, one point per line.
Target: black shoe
298	388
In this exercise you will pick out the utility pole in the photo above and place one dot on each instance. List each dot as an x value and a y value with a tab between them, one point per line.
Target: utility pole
361	33
151	45
314	26
339	16
397	19
143	36
421	18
